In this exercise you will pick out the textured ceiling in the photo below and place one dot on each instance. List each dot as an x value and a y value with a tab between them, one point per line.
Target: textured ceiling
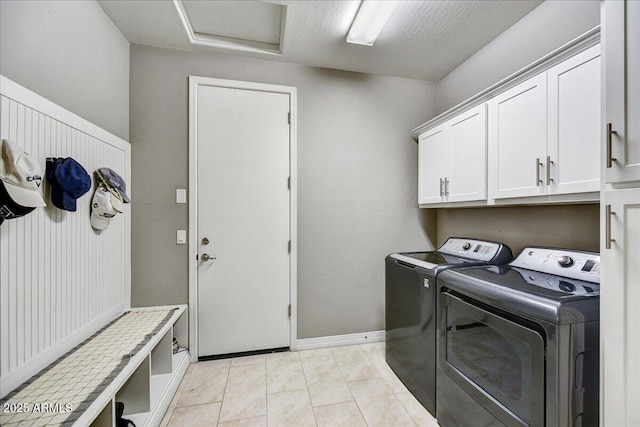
422	40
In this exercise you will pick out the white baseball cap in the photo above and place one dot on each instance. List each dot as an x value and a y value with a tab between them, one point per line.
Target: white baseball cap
21	176
101	209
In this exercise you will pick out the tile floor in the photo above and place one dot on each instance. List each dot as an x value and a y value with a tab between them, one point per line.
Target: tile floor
340	386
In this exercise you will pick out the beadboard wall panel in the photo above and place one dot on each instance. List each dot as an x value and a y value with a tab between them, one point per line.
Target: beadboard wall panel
60	280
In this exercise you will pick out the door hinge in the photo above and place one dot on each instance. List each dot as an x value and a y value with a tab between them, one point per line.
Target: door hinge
289	183
197	257
289	118
289	311
289	246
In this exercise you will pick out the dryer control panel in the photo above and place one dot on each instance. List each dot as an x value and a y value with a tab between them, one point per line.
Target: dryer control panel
561	262
477	250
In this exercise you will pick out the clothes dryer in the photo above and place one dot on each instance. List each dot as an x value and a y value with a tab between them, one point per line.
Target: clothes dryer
518	345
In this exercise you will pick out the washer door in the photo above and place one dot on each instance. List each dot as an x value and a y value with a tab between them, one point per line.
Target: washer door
498	362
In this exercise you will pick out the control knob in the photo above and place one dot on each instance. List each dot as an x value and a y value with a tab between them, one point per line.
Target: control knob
565	261
466	246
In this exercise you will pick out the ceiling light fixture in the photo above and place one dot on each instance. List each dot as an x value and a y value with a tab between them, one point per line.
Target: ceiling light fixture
371	18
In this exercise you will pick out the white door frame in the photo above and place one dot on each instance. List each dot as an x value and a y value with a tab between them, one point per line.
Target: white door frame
194	83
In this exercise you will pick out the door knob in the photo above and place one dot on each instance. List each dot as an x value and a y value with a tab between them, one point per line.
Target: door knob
206	257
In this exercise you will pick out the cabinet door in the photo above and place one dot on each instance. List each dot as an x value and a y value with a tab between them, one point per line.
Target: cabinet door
621	40
518	140
433	164
620	314
573	144
468	140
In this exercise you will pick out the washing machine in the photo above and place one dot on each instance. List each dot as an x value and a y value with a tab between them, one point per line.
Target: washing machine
410	288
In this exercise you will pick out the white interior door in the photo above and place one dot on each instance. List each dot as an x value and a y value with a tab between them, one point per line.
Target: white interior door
243	156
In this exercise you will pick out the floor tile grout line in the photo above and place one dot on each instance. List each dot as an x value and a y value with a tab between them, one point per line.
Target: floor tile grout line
266	391
306	381
313	412
224	392
352	396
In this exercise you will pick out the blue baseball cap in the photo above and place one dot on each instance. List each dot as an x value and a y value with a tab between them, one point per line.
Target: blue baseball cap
68	180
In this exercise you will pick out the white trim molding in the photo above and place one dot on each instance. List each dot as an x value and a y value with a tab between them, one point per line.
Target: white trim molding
229	43
580	43
340	340
194	83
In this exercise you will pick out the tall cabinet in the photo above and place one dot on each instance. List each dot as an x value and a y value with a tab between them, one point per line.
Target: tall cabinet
620	213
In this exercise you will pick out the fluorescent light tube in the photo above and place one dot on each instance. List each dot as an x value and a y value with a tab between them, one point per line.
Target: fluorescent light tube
370	20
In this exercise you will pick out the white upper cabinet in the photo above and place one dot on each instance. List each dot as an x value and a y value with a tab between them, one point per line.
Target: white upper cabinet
467	179
621	41
573	164
517	140
534	137
452	159
544	133
433	164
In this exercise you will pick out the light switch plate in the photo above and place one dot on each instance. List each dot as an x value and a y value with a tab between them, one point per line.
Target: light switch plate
181	237
181	195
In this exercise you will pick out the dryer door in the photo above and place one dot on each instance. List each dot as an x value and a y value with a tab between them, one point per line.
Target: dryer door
494	359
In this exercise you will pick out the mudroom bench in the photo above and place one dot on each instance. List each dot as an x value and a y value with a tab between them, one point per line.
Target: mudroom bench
130	360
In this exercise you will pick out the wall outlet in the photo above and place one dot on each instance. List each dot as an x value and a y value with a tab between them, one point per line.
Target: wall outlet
181	237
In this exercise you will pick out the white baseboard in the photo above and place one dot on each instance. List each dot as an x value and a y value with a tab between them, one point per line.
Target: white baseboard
339	340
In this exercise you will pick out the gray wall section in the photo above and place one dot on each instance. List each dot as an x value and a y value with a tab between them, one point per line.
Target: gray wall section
565	226
357	179
70	53
546	28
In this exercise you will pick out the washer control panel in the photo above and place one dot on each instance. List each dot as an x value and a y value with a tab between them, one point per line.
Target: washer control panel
474	249
561	262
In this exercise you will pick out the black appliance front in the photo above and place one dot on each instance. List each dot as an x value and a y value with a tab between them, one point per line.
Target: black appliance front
410	291
518	345
411	329
497	360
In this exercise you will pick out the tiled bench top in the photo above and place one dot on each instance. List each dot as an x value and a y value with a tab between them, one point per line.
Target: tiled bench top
60	393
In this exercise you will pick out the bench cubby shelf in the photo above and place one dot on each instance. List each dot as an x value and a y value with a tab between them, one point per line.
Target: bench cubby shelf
149	381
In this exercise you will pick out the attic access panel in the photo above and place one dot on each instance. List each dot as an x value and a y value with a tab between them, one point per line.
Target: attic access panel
239	25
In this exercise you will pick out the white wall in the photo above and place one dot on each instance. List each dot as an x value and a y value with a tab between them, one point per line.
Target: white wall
546	28
357	180
70	53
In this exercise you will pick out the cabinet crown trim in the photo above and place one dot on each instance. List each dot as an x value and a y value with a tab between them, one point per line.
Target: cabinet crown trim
575	46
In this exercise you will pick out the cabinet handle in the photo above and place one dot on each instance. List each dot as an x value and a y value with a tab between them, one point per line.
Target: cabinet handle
538	164
441	190
549	163
607	227
610	158
446	187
